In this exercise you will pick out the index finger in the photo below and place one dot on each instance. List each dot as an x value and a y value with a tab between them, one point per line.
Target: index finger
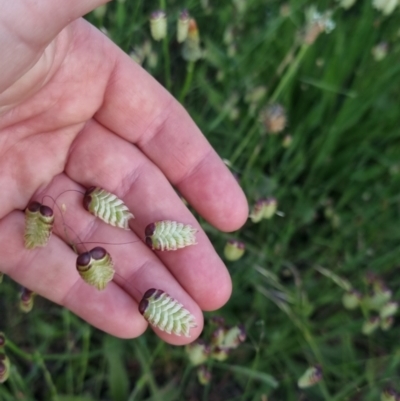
139	109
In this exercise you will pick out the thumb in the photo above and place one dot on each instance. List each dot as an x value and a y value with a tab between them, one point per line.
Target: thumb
27	27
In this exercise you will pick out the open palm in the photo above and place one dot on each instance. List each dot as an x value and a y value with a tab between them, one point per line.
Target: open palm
75	111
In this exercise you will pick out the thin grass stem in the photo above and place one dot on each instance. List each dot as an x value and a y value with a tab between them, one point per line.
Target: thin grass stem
69	377
84	358
166	55
289	73
188	81
47	376
144	363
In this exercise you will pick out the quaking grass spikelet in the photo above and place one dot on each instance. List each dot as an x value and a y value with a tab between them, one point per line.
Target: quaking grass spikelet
310	377
191	50
96	267
169	235
386	7
26	300
158	25
264	208
387	323
39	221
197	352
4	367
351	299
234	250
182	26
389	309
107	207
370	325
166	313
203	375
390	394
274	118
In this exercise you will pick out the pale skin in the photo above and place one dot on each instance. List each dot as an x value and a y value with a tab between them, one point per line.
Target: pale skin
75	111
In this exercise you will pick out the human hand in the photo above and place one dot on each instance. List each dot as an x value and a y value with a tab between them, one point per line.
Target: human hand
75	111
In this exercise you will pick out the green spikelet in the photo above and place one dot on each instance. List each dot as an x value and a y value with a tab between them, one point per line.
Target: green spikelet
310	377
107	207
387	323
351	299
4	367
158	25
203	375
234	250
182	26
234	336
389	394
96	267
370	325
26	300
39	221
169	235
389	309
165	313
197	352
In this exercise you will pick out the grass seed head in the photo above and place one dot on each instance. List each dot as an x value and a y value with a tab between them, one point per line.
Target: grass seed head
234	336
166	313
183	26
217	337
380	51
387	323
370	325
224	339
310	377
254	97
96	267
378	298
158	25
270	207
203	375
316	23
351	299
26	300
389	394
389	309
379	285
107	207
274	118
346	4
234	250
220	353
167	235
257	212
263	209
287	141
4	367
386	7
197	352
191	50
39	222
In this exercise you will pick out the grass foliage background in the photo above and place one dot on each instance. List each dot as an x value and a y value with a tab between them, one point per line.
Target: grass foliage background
337	185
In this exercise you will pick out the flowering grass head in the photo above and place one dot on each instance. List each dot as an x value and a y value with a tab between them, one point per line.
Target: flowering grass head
95	267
